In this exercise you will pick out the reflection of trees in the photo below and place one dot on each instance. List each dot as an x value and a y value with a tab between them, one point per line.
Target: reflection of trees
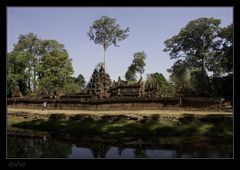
54	149
19	147
99	150
178	151
140	153
205	151
120	148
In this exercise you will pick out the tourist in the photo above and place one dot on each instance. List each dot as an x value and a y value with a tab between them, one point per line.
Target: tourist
221	102
44	105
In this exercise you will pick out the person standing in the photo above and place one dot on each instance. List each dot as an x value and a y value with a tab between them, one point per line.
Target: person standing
44	105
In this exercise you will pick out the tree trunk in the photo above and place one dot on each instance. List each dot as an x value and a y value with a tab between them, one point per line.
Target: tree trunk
34	79
35	63
104	50
29	80
203	64
205	78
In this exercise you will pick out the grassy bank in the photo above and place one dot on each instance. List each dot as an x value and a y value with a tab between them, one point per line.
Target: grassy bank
187	125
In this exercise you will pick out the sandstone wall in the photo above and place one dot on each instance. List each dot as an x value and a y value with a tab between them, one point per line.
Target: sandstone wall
120	104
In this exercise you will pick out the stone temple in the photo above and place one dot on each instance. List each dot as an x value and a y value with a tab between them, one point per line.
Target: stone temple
101	86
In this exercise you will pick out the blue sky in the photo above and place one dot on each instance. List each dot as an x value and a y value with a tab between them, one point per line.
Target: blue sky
149	28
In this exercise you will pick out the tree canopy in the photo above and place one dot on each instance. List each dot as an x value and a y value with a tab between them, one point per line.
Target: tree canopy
17	63
29	45
180	76
160	81
194	41
137	66
80	80
204	47
105	31
221	60
39	66
54	68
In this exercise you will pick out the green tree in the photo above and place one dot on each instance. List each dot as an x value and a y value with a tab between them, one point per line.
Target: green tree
130	75
74	85
80	80
221	60
138	61
70	86
137	66
29	45
180	76
221	64
227	48
157	79
17	63
38	64
54	68
195	42
105	31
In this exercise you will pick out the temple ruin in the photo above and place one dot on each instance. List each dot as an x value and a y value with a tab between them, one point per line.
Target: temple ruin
101	86
101	93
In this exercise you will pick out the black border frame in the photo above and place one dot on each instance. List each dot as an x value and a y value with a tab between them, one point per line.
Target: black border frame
67	163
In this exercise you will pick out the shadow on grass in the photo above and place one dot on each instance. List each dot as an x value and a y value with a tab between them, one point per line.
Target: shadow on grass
187	126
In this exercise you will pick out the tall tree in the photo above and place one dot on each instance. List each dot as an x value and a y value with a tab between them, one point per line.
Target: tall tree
17	63
157	79
105	31
74	85
36	64
138	61
71	86
137	66
29	45
227	48
81	81
221	60
180	76
130	75
221	64
195	42
54	69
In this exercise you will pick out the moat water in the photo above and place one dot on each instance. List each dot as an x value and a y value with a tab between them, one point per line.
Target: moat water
129	147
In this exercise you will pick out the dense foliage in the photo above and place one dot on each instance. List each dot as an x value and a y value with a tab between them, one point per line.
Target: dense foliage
160	81
206	49
40	68
137	66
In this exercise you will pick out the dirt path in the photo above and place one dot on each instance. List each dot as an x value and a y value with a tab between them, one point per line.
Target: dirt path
115	112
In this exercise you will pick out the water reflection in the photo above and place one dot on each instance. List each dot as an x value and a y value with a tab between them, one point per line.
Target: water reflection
20	147
80	152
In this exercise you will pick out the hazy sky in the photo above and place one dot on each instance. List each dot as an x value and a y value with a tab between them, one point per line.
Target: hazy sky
149	28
